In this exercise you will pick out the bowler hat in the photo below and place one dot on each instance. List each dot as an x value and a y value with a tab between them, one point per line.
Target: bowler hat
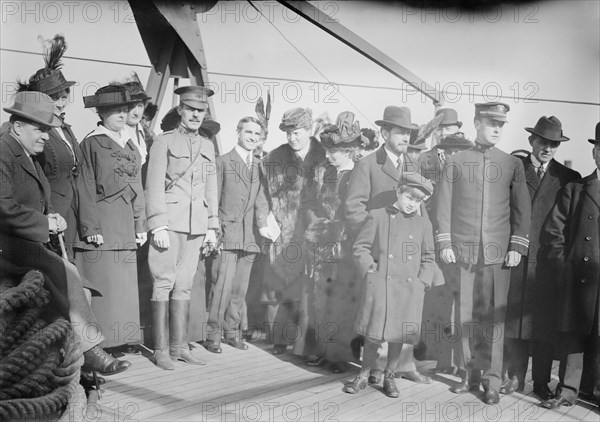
344	134
396	116
296	118
450	117
492	110
35	106
455	140
54	83
549	128
593	141
416	180
107	96
194	96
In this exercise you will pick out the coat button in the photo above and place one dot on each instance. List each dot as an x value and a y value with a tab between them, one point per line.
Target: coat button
409	280
410	236
590	217
588	238
393	216
390	256
583	280
586	258
389	278
409	257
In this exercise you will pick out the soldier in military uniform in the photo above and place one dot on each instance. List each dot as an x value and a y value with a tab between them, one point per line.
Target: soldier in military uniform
482	216
182	204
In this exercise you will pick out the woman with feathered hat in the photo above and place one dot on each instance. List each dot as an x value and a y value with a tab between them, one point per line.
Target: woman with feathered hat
330	292
114	163
71	197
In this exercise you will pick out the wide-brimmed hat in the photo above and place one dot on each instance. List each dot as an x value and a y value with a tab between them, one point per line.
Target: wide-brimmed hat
194	96
456	141
35	106
296	118
50	79
492	110
549	128
593	141
345	133
107	96
450	117
52	84
396	116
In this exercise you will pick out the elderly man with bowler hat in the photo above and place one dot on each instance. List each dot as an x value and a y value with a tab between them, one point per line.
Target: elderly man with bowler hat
371	186
435	157
531	305
290	170
182	207
28	219
482	220
573	252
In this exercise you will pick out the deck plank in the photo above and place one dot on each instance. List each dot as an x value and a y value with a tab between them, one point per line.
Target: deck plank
254	385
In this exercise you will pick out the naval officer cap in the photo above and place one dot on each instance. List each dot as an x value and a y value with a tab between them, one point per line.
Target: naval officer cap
194	96
494	111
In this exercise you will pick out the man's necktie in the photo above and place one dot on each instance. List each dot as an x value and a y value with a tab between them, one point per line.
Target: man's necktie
249	160
540	172
400	163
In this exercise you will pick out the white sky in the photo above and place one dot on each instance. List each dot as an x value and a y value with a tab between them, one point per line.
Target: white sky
542	50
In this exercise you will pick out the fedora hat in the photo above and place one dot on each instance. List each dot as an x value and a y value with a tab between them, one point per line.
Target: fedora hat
107	96
450	117
593	141
35	106
549	128
396	116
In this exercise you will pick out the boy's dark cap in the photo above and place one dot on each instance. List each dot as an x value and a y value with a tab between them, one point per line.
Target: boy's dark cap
416	180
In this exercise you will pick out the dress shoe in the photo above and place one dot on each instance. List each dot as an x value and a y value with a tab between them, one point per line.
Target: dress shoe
414	376
470	382
212	346
316	360
556	402
359	383
96	359
389	385
541	390
279	349
491	396
237	343
509	386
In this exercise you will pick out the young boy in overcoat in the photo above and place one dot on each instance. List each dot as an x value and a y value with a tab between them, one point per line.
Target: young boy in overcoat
394	251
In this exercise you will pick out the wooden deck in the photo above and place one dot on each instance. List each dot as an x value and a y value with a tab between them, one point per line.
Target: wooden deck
254	385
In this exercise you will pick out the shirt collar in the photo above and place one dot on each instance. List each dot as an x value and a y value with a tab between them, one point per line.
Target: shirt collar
536	163
121	138
392	155
21	145
348	166
243	153
598	173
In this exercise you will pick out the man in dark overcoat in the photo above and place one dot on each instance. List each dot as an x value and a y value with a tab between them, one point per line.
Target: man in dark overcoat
482	215
573	235
28	219
371	186
531	296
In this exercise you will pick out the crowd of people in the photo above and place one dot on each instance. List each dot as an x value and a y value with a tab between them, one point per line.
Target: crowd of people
331	244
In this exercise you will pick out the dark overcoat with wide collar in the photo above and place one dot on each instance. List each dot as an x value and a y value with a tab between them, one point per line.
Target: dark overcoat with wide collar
573	237
532	297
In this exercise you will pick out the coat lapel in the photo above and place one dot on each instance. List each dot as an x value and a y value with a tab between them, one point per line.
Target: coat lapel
22	158
533	182
549	181
239	166
387	166
591	188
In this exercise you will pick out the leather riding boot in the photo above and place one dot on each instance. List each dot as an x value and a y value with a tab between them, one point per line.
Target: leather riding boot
389	384
160	331
359	383
179	314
